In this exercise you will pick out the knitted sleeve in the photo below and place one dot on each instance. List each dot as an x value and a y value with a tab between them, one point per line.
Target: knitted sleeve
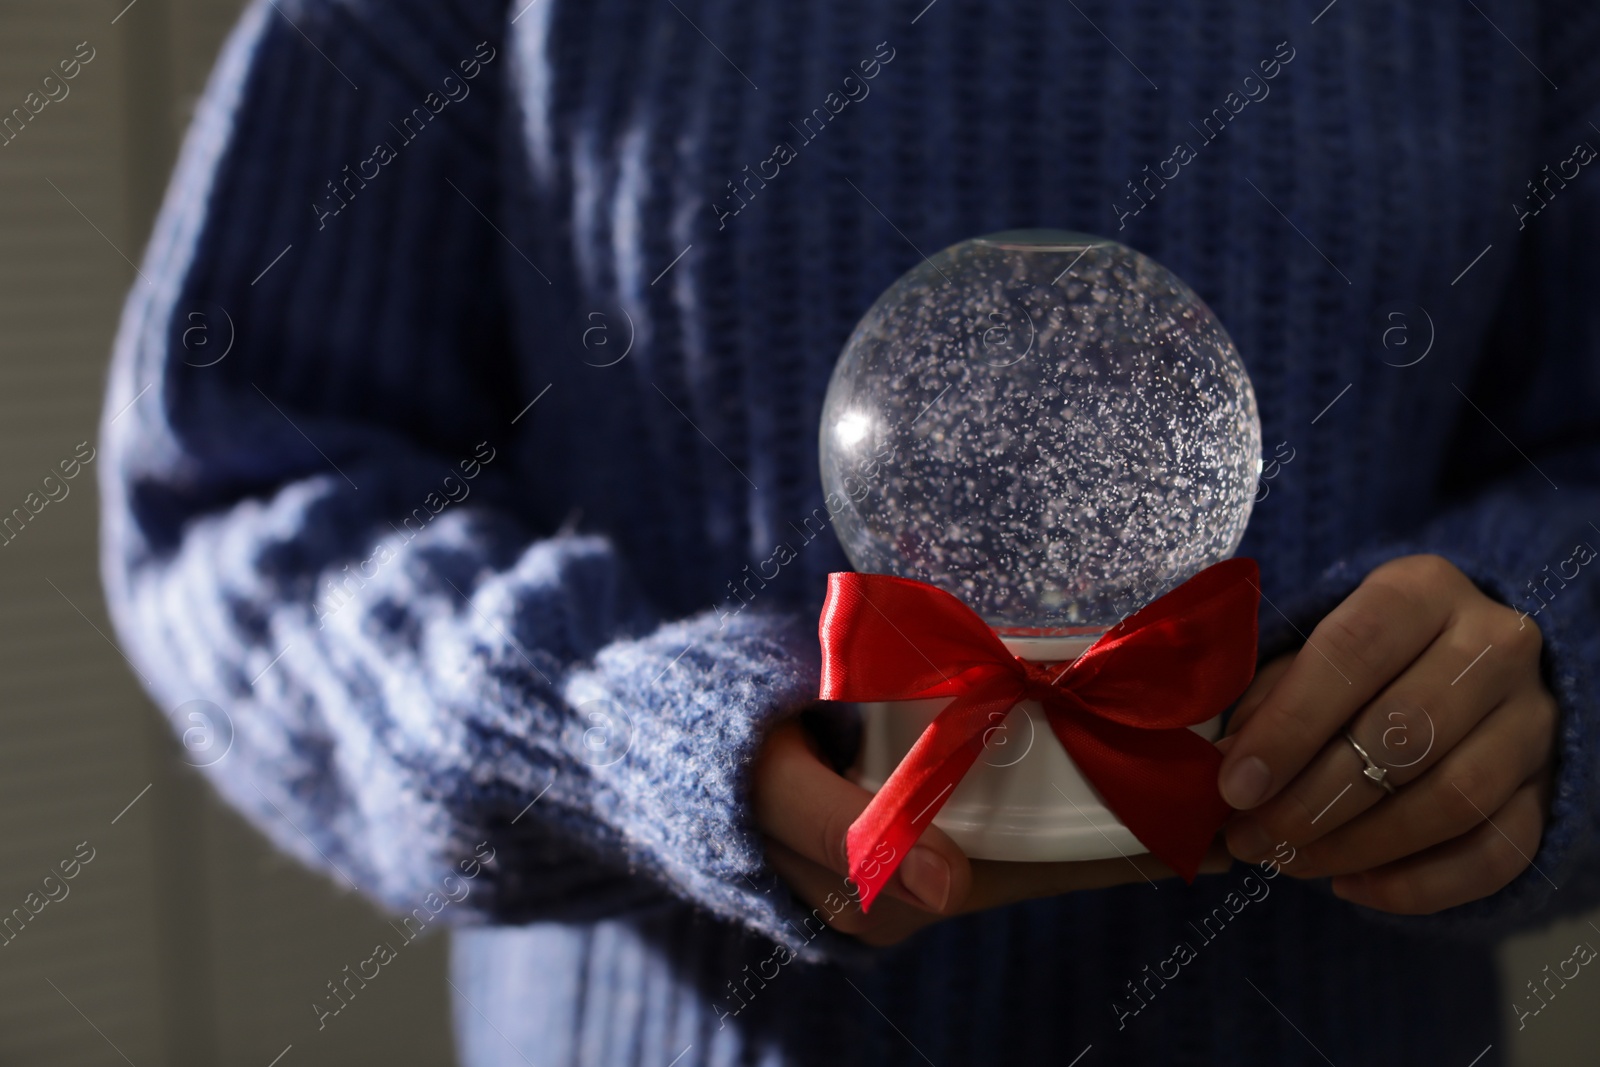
1522	488
313	547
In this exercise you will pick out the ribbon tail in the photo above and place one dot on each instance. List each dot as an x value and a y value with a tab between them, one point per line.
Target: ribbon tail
1162	784
908	801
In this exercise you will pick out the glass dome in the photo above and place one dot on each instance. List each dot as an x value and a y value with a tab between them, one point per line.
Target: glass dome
1050	426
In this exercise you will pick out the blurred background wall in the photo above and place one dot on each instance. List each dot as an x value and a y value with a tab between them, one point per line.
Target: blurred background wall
185	940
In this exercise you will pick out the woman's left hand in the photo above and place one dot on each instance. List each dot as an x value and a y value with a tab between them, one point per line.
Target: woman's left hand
1441	686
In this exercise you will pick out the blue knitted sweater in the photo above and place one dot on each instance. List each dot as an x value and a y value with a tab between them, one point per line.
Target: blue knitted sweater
478	354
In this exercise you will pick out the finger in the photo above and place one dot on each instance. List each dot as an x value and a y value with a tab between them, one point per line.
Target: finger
800	802
1408	728
996	883
1260	686
834	901
1467	868
1351	655
1478	776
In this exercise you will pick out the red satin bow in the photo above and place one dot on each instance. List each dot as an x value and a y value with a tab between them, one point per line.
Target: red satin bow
1121	710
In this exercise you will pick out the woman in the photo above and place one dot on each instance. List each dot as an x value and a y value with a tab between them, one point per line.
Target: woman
529	312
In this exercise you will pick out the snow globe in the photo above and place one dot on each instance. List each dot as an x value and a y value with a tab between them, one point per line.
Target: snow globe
1058	431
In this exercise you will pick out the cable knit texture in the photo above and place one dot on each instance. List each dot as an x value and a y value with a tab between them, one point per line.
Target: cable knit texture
527	326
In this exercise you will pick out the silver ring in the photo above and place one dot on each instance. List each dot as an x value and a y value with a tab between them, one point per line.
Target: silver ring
1372	772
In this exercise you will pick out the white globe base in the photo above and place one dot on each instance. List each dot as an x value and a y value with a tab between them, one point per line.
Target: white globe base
1024	799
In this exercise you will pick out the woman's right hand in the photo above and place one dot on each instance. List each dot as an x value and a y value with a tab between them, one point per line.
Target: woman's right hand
804	809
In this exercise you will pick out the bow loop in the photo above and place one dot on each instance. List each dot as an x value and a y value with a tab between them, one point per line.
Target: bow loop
1122	710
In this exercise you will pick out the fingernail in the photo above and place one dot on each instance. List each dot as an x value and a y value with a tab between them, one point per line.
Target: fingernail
1245	784
1248	841
927	875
